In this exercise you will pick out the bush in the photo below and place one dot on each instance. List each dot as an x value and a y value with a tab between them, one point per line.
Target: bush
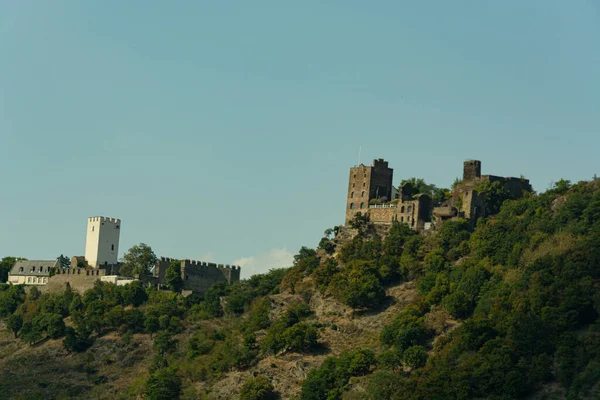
163	384
258	388
415	357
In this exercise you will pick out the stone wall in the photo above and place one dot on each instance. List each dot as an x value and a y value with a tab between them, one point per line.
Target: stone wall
382	215
80	279
197	276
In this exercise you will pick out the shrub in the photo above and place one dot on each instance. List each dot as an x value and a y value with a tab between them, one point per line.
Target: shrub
258	388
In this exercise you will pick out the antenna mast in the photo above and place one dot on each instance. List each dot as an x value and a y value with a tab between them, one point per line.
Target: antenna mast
359	150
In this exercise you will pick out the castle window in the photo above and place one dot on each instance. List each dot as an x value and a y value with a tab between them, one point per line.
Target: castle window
32	269
21	269
354	176
409	209
362	205
364	184
352	206
45	280
92	229
28	279
352	195
362	194
401	219
354	185
402	209
112	247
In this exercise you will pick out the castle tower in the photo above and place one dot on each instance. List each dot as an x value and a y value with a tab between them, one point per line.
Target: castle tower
102	241
471	170
367	183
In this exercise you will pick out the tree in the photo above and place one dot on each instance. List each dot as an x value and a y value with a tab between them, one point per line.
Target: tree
151	324
164	343
173	276
14	323
77	340
415	357
138	260
30	333
359	221
163	384
258	388
64	262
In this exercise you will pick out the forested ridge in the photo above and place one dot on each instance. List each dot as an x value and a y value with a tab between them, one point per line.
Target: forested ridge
507	309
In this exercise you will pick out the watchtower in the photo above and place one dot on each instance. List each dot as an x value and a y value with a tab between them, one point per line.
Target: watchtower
471	170
102	241
366	183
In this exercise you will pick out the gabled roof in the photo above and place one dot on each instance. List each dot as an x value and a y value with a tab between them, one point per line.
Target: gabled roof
33	267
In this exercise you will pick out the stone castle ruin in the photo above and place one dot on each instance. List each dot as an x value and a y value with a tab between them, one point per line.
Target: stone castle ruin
197	276
370	192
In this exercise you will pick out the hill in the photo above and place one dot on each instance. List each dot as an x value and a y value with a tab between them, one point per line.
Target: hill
505	310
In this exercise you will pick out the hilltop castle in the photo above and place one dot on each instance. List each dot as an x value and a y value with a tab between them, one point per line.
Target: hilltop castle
101	263
370	192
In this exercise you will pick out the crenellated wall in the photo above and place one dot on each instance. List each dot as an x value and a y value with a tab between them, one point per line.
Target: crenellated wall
79	279
198	276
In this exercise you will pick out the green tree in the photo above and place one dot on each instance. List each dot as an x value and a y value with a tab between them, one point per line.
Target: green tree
139	259
64	262
163	384
77	340
415	357
14	323
173	276
30	333
164	343
258	388
300	337
151	324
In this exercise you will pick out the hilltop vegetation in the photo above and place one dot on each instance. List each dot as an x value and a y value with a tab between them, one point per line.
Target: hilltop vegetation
506	310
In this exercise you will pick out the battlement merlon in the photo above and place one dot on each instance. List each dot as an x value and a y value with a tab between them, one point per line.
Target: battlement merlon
380	163
104	219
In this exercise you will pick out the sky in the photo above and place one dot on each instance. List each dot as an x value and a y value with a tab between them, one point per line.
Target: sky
224	131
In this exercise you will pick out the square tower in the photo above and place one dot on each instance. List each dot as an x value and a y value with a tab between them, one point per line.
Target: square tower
102	241
366	183
471	170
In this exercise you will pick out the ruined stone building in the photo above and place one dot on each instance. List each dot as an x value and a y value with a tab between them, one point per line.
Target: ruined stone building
470	203
370	192
197	276
367	183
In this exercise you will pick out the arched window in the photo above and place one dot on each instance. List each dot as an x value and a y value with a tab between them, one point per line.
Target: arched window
362	205
28	279
402	209
409	209
362	194
401	219
352	195
32	269
352	206
364	184
45	280
21	269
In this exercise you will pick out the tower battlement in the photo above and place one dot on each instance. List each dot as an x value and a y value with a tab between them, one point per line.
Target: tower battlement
104	219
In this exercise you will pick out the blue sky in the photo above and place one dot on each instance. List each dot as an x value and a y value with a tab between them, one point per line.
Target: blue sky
224	130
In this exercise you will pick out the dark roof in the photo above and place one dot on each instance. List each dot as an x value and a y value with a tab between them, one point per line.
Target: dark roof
42	267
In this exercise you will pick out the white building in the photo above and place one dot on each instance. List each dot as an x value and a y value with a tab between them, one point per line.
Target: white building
31	272
102	241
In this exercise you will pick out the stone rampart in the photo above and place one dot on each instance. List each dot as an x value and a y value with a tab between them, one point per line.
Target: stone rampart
79	279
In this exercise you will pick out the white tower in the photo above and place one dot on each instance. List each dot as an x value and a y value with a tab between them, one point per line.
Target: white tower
102	241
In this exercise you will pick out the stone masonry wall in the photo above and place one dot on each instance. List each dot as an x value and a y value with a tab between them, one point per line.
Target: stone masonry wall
80	279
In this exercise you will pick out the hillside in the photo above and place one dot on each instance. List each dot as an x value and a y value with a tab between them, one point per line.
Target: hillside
505	310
